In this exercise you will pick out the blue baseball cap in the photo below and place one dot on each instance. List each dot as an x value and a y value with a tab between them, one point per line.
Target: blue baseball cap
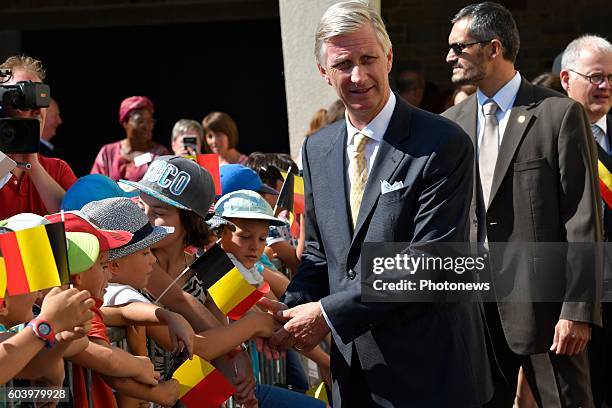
236	177
93	187
246	204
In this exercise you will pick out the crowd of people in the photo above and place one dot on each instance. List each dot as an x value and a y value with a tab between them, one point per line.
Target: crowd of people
500	160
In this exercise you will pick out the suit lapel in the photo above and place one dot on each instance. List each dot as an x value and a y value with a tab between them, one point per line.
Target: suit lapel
468	118
336	158
517	124
387	159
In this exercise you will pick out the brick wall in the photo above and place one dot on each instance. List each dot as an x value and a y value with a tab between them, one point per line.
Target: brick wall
419	30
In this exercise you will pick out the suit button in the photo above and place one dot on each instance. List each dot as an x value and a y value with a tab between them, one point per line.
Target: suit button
351	274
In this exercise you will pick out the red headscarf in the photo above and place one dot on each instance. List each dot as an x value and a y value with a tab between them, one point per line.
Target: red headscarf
128	105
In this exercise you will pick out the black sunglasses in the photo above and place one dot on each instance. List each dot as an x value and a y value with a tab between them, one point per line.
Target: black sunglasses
459	47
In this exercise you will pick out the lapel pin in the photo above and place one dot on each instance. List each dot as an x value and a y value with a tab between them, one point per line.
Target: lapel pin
521	119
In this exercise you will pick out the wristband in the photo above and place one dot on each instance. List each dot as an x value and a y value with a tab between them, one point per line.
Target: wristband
43	330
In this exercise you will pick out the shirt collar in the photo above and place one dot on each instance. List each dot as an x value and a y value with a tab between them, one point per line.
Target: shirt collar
47	143
603	124
504	98
377	127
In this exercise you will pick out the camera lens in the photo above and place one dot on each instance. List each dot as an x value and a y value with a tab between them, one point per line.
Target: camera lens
7	135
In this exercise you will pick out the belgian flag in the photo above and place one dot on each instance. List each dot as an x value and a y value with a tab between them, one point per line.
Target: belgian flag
232	294
605	175
201	384
34	258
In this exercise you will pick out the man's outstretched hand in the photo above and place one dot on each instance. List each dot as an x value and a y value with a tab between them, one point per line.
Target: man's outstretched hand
304	326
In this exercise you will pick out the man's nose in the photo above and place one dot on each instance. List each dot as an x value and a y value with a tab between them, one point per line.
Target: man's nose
450	56
357	74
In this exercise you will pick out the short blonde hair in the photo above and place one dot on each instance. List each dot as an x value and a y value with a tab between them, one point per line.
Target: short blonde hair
25	63
345	18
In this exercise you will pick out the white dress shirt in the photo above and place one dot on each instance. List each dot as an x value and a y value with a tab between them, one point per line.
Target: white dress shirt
504	98
602	123
375	130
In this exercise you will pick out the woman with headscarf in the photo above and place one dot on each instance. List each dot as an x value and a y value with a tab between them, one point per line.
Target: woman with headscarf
128	158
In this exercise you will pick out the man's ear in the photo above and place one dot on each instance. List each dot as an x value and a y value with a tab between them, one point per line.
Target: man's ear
323	73
564	76
496	48
389	60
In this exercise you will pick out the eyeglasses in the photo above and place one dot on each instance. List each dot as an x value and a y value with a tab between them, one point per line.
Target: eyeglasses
459	47
595	79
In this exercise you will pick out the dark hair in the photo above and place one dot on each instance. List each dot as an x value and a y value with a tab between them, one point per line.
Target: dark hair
196	231
549	80
492	20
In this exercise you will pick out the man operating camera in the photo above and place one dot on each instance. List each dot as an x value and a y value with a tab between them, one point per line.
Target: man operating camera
40	188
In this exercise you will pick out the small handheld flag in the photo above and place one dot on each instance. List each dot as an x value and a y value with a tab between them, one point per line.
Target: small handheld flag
201	384
286	196
232	294
211	163
35	258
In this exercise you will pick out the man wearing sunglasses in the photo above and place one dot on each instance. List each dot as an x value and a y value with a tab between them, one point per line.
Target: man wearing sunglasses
586	75
535	181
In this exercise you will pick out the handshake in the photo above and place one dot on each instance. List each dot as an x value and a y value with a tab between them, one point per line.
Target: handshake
302	327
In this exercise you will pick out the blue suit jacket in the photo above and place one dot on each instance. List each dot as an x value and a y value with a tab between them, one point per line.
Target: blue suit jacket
411	354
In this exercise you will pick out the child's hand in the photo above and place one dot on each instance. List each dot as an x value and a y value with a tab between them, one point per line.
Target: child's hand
147	375
181	333
166	393
264	323
66	309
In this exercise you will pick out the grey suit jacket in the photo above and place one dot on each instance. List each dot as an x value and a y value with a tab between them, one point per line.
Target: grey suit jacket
544	189
411	354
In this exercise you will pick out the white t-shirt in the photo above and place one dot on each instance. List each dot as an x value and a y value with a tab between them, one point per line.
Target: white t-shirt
119	294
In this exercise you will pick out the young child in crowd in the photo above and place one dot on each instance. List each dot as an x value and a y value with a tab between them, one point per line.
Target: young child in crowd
131	267
85	261
184	209
243	237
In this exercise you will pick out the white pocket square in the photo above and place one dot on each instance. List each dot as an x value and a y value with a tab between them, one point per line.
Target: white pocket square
385	187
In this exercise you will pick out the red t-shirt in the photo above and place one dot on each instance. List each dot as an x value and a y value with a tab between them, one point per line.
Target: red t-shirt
102	394
21	196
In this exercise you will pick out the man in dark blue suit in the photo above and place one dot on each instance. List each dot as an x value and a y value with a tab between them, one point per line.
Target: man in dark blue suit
389	172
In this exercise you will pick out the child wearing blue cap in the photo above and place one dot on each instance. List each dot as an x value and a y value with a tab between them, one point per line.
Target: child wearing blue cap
243	237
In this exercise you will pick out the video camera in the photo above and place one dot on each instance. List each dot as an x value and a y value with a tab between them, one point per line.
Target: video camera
21	135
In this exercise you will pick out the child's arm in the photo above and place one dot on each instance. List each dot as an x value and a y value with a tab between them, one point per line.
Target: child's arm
144	314
322	359
181	302
277	281
214	343
63	309
107	360
16	351
48	364
165	393
286	253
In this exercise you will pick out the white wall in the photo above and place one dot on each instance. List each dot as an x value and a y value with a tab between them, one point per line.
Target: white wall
305	88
